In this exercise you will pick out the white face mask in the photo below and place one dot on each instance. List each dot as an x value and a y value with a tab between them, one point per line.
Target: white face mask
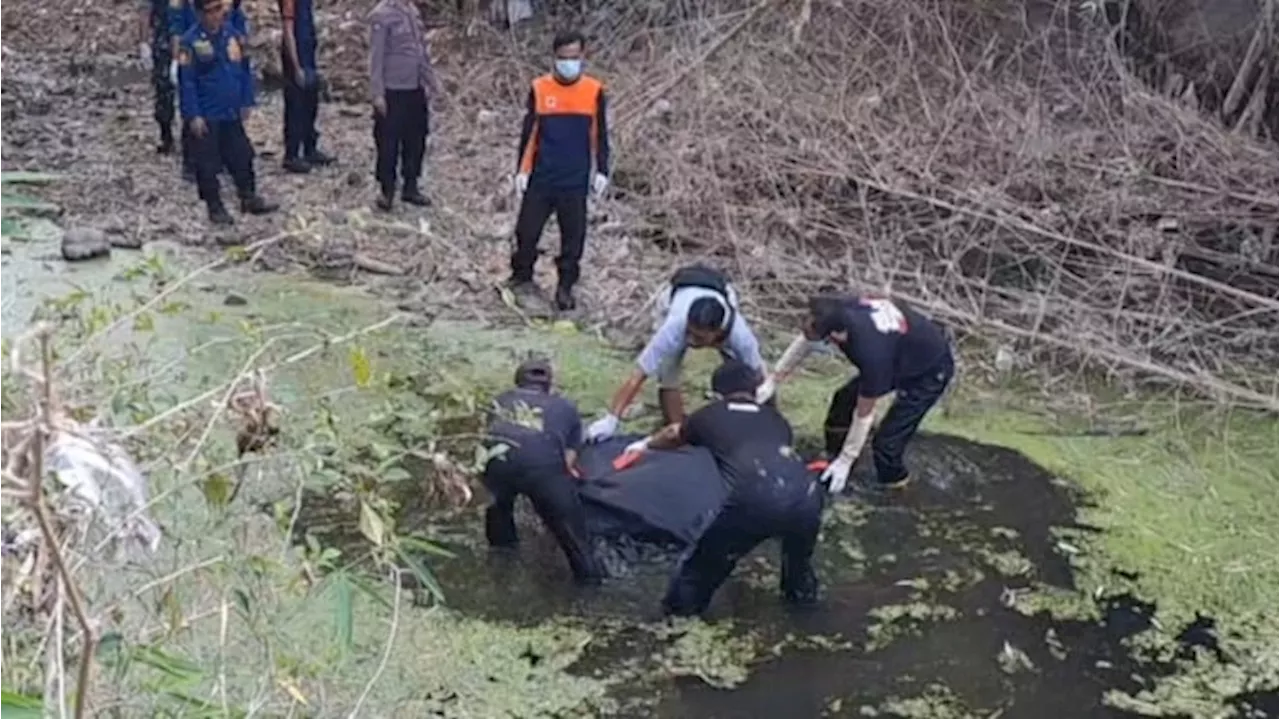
569	69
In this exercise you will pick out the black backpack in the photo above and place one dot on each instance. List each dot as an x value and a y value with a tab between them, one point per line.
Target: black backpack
700	275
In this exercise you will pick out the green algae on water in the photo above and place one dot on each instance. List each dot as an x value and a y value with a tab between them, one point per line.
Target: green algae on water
936	702
895	620
713	653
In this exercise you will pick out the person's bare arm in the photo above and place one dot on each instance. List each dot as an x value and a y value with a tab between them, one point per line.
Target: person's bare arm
668	437
626	394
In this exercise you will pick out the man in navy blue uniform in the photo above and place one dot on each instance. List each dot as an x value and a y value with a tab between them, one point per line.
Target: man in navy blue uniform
216	86
301	86
896	349
179	18
534	435
771	493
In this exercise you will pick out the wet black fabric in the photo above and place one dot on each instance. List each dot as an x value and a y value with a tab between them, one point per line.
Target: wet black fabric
680	499
668	497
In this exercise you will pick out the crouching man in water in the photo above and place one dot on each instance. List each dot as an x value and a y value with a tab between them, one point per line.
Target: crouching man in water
896	349
541	432
697	309
771	493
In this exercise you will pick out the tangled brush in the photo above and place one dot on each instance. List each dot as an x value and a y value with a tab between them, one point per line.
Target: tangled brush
81	491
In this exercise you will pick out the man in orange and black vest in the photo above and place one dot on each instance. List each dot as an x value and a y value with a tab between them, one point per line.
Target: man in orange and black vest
564	134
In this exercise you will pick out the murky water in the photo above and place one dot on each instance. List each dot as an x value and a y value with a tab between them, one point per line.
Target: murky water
920	612
921	596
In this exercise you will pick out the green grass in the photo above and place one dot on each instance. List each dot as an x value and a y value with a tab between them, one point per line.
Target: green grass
1190	506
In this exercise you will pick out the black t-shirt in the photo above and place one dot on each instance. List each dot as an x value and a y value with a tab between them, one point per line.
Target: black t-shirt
889	342
751	444
535	422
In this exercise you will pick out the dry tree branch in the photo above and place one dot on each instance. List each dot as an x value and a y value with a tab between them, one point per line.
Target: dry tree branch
1263	36
41	428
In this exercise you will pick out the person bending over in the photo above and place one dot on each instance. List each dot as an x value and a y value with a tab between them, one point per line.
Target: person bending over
896	349
534	436
771	493
697	309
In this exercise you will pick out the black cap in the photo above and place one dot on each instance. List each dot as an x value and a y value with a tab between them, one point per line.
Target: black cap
535	372
734	377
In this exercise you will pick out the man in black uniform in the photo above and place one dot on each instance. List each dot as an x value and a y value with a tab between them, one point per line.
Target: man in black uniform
771	493
535	436
896	349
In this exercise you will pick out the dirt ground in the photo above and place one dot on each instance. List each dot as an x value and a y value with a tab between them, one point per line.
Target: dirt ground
91	122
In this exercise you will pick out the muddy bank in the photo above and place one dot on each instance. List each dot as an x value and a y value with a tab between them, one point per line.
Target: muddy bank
954	602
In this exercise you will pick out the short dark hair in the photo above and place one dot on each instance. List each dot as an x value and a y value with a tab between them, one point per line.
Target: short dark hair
203	5
534	372
734	377
706	313
568	37
826	311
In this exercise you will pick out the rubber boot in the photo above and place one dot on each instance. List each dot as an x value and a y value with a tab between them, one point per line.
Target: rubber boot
296	165
255	205
218	214
166	140
564	299
318	158
413	196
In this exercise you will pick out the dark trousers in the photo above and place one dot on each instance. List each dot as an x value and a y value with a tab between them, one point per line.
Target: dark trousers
164	89
913	401
188	150
735	532
401	138
224	143
301	105
554	497
571	213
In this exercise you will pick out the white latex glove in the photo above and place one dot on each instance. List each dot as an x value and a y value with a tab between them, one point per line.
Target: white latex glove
836	475
173	72
599	183
144	53
602	428
521	182
638	446
766	390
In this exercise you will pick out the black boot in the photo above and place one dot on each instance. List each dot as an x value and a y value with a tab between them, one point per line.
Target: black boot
413	196
218	214
564	299
526	292
296	165
318	158
255	205
386	199
166	141
188	173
